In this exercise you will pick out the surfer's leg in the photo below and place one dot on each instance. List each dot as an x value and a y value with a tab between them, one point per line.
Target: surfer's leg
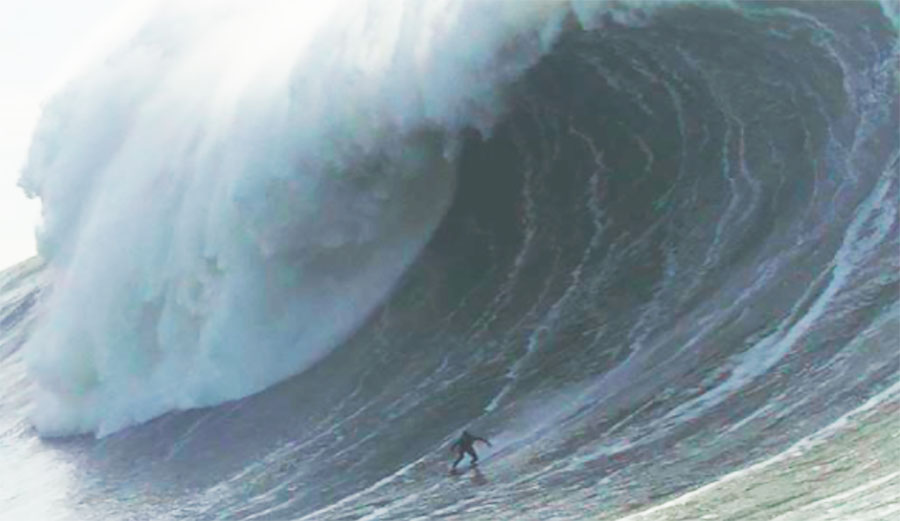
458	458
473	455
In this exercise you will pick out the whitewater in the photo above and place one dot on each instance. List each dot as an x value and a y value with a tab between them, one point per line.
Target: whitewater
289	251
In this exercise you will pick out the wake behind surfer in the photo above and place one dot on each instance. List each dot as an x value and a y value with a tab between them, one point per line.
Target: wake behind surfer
466	445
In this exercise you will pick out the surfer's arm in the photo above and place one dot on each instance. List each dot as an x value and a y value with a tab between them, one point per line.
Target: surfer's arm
484	440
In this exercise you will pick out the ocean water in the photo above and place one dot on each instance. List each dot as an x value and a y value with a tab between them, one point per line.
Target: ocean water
649	249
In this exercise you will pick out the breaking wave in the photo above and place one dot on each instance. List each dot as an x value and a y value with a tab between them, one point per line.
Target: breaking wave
230	193
637	244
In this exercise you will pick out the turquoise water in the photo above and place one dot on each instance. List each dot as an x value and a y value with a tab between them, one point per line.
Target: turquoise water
649	252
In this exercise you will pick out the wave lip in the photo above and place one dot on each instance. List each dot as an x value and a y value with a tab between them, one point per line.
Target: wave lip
231	192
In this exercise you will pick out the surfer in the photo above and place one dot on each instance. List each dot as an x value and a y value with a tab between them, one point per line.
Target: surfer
466	445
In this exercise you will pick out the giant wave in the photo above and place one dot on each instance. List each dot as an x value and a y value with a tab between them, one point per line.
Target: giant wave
640	245
230	193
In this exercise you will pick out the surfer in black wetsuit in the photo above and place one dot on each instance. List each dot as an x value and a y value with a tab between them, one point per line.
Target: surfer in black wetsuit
466	445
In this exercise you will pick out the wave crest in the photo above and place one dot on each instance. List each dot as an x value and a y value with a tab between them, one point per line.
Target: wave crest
229	194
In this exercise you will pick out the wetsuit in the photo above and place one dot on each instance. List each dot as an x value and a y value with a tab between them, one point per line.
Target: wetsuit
466	445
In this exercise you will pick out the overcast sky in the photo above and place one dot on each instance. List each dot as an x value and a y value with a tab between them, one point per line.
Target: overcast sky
40	42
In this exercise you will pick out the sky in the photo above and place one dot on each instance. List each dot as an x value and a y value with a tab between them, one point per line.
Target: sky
41	42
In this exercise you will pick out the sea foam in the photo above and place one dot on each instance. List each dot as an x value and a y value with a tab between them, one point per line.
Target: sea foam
230	192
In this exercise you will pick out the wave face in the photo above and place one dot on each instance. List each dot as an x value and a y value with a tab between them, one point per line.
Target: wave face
639	246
